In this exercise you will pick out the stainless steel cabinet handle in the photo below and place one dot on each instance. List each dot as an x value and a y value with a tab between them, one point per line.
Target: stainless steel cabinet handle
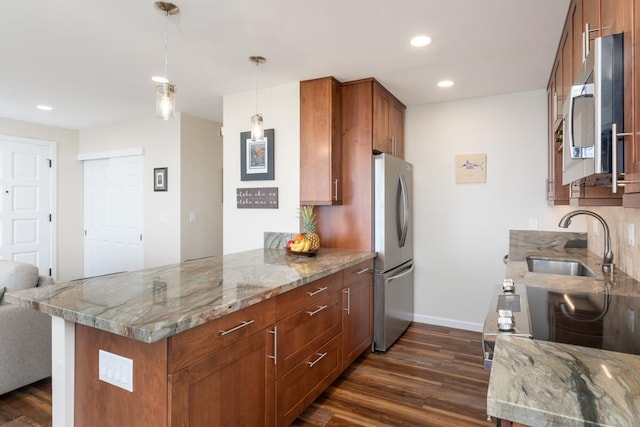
614	158
275	345
335	189
235	328
320	308
321	355
364	270
348	292
317	292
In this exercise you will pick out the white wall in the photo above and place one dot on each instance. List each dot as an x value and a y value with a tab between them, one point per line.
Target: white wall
462	230
69	192
201	192
280	106
161	142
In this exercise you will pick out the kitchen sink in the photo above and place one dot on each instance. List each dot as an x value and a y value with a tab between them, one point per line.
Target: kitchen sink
567	267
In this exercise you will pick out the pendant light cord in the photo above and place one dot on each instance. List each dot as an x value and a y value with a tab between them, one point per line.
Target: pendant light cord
257	86
166	44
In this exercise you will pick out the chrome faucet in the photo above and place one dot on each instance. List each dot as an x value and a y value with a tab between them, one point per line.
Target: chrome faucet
607	258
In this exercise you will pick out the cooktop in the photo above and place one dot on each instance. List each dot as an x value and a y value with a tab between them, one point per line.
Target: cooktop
599	320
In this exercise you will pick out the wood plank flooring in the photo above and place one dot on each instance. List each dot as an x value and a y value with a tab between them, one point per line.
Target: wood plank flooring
432	376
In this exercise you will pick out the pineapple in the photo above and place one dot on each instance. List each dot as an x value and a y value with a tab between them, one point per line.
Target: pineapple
310	225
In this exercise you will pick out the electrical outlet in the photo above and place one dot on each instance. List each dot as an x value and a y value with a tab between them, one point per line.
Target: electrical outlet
115	370
631	320
533	223
596	228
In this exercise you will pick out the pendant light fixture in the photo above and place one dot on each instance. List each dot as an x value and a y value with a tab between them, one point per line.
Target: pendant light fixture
257	128
165	91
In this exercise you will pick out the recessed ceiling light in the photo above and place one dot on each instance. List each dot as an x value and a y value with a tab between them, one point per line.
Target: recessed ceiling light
420	41
445	83
44	107
160	79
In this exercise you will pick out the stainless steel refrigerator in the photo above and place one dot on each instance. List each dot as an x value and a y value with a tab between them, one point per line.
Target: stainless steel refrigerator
393	242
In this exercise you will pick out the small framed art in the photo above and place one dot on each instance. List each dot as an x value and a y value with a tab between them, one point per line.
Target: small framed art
160	179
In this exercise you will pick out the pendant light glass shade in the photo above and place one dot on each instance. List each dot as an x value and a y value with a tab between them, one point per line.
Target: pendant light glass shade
257	128
165	101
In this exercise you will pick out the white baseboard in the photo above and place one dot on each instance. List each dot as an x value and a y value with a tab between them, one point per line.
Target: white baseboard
449	323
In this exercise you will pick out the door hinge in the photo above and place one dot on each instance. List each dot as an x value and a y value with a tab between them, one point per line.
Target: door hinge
49	162
141	237
49	217
85	232
49	272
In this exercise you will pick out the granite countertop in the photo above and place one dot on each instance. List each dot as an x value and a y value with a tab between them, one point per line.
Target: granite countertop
540	383
156	303
545	383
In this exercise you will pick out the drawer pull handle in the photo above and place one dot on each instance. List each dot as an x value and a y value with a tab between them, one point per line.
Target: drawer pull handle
235	328
317	292
320	356
348	292
320	308
275	345
364	270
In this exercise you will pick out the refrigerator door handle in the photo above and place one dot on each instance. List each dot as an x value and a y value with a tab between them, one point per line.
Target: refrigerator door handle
397	276
402	235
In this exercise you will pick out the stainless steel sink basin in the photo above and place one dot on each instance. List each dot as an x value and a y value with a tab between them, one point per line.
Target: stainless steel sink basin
567	267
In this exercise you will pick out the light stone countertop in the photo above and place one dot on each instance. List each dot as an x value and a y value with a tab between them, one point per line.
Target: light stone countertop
542	383
156	303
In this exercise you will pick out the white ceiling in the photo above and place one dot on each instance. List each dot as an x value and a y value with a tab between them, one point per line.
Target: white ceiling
93	60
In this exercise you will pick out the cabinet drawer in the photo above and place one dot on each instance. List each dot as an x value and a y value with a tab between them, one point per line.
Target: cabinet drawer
290	302
307	329
306	381
352	274
194	344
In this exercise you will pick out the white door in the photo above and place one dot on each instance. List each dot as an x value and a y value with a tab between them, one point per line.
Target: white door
113	215
26	202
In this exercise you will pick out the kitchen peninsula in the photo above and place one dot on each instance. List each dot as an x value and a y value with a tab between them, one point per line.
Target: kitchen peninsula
250	338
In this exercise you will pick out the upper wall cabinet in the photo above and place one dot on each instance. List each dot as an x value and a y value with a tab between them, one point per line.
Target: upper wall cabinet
585	21
320	142
388	122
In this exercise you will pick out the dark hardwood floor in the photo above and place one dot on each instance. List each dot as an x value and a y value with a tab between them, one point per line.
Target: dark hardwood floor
432	376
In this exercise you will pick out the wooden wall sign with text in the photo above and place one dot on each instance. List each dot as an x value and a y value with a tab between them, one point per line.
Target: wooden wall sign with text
257	198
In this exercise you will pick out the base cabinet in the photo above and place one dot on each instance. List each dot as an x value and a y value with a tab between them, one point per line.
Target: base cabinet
357	312
232	387
260	366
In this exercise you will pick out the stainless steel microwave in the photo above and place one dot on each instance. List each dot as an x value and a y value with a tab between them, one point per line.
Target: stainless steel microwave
595	103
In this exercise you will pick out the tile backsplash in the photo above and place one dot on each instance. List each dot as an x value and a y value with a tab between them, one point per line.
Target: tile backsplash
626	256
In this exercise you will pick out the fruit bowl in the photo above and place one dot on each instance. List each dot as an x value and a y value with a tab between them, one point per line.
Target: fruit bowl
301	254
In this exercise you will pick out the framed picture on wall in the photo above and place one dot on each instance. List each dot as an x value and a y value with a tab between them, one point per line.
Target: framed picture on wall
160	179
257	157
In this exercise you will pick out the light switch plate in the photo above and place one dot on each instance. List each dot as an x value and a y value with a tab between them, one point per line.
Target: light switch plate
631	235
115	370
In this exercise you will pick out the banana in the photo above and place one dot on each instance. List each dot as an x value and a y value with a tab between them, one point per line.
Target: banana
307	245
298	246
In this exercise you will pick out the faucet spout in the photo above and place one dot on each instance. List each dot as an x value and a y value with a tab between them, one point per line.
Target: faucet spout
607	258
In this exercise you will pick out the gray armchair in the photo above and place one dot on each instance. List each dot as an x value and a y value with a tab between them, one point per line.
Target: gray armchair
25	335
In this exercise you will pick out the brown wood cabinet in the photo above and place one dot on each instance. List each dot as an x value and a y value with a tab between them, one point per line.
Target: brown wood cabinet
632	144
260	366
587	19
349	225
388	122
231	387
309	351
320	142
357	312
